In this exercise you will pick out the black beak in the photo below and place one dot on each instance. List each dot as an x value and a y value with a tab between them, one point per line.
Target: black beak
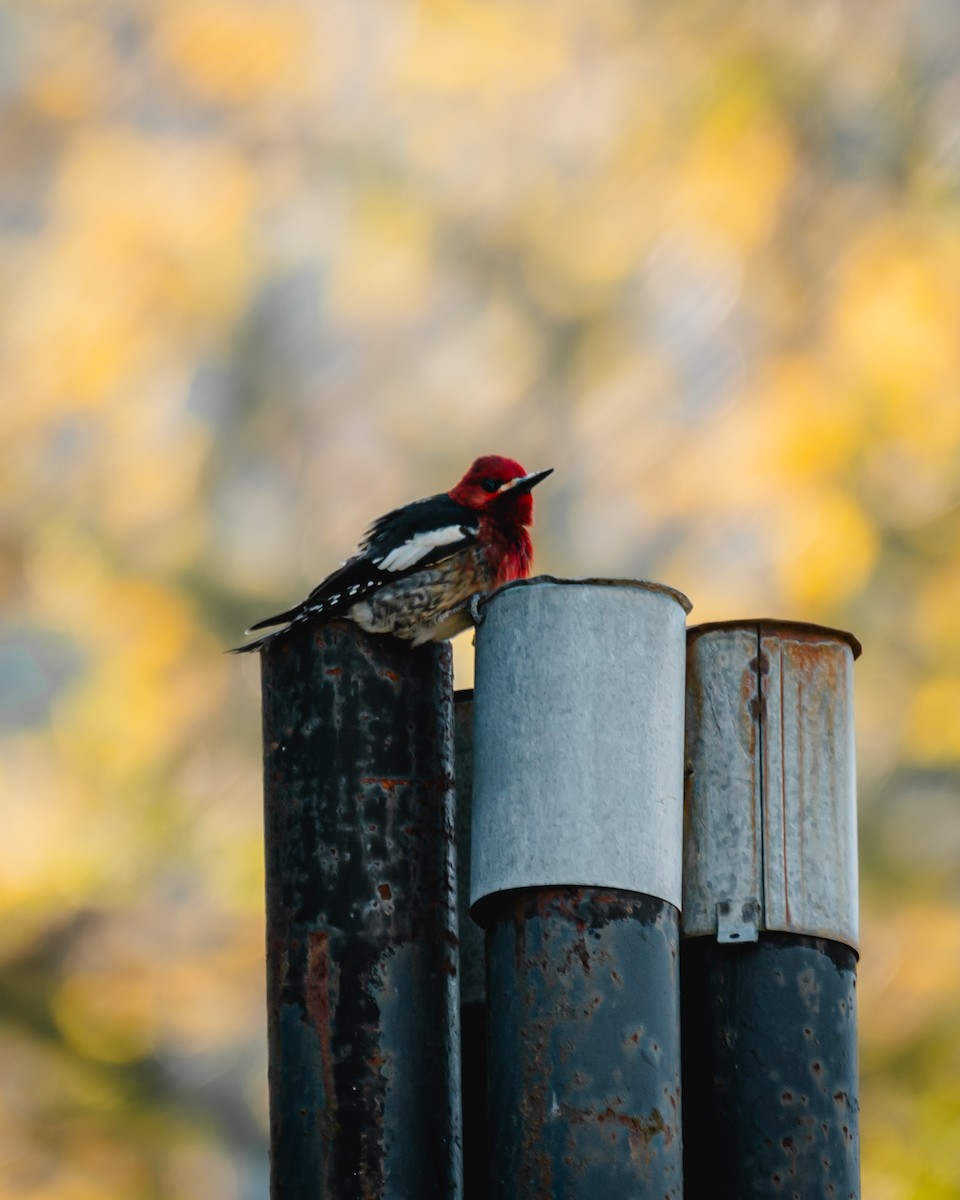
525	483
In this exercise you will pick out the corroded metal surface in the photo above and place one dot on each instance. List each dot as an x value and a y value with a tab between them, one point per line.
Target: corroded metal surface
472	983
723	848
770	1088
361	924
770	796
584	1046
578	738
809	786
473	1015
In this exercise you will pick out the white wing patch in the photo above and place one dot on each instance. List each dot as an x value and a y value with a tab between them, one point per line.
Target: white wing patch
419	546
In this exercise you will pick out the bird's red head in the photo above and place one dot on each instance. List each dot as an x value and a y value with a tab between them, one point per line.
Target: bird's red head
499	486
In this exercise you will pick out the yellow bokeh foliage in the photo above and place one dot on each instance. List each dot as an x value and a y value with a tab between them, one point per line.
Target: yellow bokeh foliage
496	52
384	273
897	307
826	548
239	51
933	732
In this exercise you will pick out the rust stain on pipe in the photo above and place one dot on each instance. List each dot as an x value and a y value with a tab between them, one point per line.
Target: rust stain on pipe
320	1001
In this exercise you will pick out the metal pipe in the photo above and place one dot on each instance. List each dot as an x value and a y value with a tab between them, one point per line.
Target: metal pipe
578	737
472	982
584	1050
769	925
578	765
361	924
473	1008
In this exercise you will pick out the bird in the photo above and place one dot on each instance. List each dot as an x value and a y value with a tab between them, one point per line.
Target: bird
418	566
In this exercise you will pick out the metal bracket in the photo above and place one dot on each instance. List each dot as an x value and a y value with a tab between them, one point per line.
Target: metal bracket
738	920
475	607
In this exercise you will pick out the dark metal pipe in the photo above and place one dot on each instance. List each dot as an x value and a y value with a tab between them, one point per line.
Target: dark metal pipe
768	956
770	1069
578	776
361	924
473	1008
585	1072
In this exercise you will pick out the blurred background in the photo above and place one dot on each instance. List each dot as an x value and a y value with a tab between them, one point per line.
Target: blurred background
270	267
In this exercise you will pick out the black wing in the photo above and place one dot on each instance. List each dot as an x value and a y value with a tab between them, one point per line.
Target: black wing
399	543
419	520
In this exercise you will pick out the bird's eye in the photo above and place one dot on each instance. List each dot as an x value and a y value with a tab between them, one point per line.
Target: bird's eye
490	485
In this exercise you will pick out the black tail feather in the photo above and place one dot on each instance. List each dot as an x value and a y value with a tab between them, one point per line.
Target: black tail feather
279	619
256	644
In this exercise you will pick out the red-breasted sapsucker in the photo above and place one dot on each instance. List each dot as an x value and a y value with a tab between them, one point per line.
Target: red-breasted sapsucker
418	566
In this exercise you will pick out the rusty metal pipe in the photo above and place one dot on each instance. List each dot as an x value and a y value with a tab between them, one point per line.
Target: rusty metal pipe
769	926
770	1090
473	1008
361	923
584	1052
576	853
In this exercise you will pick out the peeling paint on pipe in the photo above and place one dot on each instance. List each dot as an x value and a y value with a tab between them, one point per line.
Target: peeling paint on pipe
361	925
584	1046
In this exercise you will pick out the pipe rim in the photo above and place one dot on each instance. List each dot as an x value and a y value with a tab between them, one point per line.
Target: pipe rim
590	581
778	625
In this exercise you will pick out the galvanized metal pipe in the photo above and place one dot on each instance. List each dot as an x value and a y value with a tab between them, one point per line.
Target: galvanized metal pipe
361	924
576	854
768	957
